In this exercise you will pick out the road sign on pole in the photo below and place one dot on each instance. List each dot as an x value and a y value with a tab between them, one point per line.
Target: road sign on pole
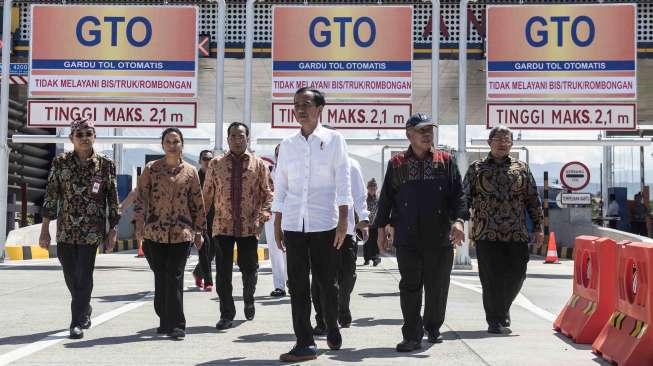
575	176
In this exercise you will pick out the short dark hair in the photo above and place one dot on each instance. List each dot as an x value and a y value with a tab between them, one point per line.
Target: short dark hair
204	152
500	129
318	97
170	130
238	124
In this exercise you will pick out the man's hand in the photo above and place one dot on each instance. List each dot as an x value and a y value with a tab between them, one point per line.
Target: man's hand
457	233
44	238
341	232
278	233
539	238
385	238
199	240
363	226
390	231
139	231
111	239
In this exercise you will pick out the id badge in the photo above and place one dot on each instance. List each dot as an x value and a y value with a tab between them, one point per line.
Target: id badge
96	184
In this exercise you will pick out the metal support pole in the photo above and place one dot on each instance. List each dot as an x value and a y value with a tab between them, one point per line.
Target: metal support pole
462	259
606	178
435	66
249	43
4	122
219	78
118	151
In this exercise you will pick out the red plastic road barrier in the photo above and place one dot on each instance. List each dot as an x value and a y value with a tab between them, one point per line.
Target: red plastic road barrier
593	298
627	338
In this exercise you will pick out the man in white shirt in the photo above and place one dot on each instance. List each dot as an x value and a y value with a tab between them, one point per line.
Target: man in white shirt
311	199
613	211
277	256
348	254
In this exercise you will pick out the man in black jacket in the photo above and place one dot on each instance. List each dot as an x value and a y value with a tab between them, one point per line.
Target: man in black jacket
422	200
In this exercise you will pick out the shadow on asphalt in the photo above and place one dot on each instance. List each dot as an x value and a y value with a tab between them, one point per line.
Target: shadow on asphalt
28	338
126	297
473	334
378	294
343	355
359	355
146	335
266	337
371	322
562	337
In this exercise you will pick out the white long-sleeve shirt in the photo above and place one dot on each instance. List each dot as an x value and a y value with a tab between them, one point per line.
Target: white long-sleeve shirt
311	180
359	196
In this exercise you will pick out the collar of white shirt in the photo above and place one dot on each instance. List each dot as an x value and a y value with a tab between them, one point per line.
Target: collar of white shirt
320	133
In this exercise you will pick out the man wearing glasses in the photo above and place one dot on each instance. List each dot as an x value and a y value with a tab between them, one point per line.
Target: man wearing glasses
81	195
202	272
499	191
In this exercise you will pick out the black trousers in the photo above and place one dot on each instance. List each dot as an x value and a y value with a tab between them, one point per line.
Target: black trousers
168	262
78	262
370	248
206	255
502	269
311	252
428	269
224	265
346	280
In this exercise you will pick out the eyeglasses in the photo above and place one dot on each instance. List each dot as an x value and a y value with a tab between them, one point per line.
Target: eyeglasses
506	141
81	135
207	158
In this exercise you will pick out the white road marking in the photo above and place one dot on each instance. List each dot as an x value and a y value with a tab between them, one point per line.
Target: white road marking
56	338
521	300
53	339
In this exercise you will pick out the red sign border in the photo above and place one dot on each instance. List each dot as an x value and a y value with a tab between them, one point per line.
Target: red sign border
632	104
562	180
30	101
410	107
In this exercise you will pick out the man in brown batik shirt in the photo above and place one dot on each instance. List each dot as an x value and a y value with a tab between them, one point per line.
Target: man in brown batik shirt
237	185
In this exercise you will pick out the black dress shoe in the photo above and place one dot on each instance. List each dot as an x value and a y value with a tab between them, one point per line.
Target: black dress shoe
334	339
319	330
250	311
408	346
177	333
376	261
299	354
494	328
367	261
76	332
223	324
162	330
433	336
278	293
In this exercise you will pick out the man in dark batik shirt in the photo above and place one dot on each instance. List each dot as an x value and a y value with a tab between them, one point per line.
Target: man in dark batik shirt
81	195
499	191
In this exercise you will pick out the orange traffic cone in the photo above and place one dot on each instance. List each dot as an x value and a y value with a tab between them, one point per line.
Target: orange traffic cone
140	250
552	250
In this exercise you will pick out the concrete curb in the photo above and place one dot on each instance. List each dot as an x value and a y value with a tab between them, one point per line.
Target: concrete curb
27	252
